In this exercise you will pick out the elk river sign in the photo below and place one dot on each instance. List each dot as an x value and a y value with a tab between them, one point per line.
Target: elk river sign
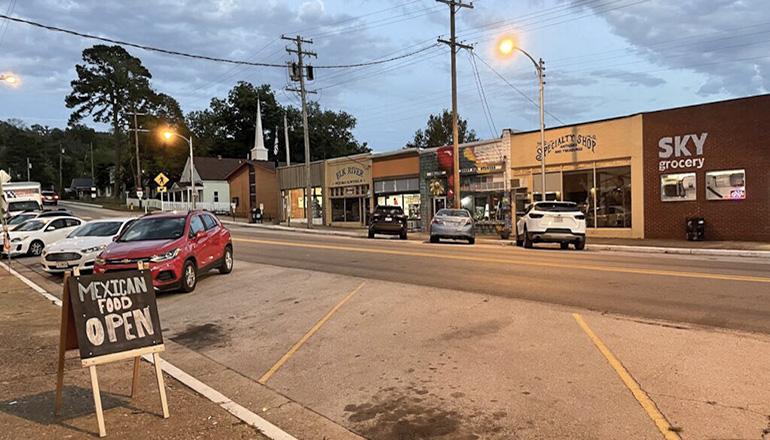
110	317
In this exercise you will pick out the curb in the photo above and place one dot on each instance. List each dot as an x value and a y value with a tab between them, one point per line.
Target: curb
679	251
592	247
241	413
83	204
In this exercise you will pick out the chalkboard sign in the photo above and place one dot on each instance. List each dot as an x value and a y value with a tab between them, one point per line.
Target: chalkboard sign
114	312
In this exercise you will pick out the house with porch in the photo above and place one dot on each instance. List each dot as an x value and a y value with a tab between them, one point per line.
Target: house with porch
211	189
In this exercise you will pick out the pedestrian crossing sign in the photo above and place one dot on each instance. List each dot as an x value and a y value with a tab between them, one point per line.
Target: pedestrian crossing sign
161	179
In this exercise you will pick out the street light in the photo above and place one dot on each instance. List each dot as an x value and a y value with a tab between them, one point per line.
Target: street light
167	135
506	46
9	78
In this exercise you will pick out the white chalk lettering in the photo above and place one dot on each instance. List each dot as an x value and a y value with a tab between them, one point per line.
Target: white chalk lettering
113	321
127	326
95	331
143	322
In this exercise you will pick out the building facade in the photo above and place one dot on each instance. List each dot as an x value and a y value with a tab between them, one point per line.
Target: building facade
710	161
349	190
396	182
598	165
254	184
291	180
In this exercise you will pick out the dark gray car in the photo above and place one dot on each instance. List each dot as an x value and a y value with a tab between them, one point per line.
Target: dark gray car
454	224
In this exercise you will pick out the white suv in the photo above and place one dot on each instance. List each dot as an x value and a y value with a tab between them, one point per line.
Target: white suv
552	222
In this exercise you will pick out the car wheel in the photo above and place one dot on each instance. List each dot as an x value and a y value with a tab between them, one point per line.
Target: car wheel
580	244
564	245
402	235
227	261
371	234
527	240
471	240
433	239
36	248
189	277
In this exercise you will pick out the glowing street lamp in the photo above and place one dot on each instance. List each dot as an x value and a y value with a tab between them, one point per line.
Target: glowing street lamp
167	135
9	78
506	46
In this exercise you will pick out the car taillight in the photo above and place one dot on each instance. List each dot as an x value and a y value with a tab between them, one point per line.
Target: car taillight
437	221
580	217
533	215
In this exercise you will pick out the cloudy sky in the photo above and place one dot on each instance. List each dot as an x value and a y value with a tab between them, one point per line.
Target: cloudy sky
604	57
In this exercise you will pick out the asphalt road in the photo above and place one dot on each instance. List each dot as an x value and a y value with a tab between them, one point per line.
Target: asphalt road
731	293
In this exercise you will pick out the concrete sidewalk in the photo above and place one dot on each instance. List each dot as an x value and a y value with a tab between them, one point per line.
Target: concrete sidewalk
680	247
29	337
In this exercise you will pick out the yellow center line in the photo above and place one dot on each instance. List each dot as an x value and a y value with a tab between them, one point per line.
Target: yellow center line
265	377
525	262
644	400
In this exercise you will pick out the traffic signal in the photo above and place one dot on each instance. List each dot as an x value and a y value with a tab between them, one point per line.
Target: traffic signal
294	72
309	73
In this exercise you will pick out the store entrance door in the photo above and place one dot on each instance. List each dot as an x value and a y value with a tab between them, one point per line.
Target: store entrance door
439	203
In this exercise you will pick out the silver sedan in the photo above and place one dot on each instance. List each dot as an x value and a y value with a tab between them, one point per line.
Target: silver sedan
452	223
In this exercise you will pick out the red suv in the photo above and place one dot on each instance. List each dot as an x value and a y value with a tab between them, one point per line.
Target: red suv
177	246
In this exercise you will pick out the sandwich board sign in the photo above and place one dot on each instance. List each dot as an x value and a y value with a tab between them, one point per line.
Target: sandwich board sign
107	318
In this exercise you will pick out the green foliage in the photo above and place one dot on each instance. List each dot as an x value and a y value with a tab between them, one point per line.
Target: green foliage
227	127
438	132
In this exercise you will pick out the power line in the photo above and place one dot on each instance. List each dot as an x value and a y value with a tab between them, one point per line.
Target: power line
516	88
482	96
194	56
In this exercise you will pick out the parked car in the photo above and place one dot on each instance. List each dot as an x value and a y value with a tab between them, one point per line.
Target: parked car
552	222
388	220
18	219
33	236
50	197
177	246
81	247
19	206
452	223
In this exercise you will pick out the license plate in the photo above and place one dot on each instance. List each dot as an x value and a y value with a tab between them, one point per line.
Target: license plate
557	219
388	219
62	265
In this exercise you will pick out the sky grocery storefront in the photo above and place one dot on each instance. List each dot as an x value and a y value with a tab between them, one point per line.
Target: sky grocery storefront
598	165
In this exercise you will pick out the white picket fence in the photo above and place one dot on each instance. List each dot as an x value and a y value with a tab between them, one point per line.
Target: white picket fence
177	206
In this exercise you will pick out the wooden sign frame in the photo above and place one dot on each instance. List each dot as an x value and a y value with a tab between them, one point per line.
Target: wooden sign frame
68	341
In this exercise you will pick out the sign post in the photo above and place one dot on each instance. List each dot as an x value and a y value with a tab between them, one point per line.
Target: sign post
5	178
108	318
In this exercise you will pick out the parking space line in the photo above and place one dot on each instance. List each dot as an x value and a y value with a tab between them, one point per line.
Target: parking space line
639	394
297	345
525	262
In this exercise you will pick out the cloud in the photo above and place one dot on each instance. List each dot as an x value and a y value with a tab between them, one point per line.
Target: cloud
631	78
725	40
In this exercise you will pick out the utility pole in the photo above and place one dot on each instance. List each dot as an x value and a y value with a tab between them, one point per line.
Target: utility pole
454	6
136	146
29	167
286	140
93	176
61	185
299	72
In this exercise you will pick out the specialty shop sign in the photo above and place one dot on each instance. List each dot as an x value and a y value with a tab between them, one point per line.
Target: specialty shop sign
568	143
114	312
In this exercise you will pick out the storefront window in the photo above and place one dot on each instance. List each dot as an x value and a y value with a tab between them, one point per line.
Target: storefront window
578	187
338	210
677	187
552	185
726	185
346	210
613	205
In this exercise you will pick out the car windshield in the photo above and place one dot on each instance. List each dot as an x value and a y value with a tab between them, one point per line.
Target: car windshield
19	219
23	206
389	210
557	207
99	229
32	225
453	213
163	228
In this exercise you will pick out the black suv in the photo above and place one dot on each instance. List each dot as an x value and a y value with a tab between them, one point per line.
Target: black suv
388	220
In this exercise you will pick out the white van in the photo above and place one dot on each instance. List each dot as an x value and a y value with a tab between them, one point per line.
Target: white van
22	196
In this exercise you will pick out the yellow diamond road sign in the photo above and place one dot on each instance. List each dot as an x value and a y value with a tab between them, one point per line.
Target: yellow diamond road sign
161	179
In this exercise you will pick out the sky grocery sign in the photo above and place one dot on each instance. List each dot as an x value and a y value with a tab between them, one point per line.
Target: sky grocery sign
681	152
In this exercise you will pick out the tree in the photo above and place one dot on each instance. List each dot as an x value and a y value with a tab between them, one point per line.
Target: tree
110	83
228	126
438	132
